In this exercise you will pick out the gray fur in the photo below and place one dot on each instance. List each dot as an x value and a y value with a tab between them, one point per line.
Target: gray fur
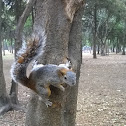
42	76
48	74
69	78
18	70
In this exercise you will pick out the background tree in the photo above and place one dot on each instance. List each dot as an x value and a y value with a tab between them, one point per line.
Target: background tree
110	14
8	23
12	11
3	94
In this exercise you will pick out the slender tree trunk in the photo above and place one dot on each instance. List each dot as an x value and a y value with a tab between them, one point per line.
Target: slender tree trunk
123	51
113	48
102	48
14	93
98	48
3	48
94	32
56	19
106	49
117	46
20	25
11	46
3	95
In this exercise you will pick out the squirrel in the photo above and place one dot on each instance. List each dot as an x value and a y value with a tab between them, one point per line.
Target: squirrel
41	76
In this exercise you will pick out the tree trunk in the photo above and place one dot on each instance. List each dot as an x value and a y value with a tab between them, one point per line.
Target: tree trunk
98	48
123	50
75	54
13	93
94	31
56	19
11	45
3	95
113	48
102	49
117	46
3	48
106	49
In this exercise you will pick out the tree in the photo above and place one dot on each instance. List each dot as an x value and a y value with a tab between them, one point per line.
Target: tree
109	14
10	102
59	21
18	35
95	31
3	95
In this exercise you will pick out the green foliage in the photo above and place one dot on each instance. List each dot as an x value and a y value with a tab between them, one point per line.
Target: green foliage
110	21
12	11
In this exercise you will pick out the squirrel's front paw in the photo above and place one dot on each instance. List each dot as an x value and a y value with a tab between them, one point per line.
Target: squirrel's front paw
48	103
61	88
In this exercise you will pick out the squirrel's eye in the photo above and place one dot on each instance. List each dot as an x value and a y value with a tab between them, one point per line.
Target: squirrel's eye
65	77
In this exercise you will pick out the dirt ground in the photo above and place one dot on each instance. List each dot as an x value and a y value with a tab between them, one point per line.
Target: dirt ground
102	91
101	97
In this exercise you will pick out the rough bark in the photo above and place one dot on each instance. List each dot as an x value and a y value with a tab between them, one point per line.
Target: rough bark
53	18
75	54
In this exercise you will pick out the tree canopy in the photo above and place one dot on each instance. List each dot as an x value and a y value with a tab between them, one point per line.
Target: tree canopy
110	23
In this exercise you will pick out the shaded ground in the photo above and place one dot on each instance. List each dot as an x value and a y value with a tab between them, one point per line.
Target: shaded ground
101	98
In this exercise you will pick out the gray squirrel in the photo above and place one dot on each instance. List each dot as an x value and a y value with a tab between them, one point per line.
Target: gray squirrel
41	76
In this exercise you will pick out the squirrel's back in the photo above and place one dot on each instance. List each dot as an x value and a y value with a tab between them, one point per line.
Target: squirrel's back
53	75
47	73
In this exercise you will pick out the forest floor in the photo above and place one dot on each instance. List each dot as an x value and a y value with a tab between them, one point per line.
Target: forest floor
101	97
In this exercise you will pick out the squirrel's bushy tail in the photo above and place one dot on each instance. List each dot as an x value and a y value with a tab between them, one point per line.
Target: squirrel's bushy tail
29	51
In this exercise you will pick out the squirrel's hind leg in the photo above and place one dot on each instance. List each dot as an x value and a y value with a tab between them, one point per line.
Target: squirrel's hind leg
45	100
44	93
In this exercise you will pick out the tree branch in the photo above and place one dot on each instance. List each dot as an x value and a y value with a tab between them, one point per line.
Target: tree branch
21	22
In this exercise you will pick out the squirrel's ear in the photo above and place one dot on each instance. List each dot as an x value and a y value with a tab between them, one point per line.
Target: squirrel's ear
62	71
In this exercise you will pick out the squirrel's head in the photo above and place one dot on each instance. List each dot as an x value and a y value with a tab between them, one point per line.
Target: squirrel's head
68	76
